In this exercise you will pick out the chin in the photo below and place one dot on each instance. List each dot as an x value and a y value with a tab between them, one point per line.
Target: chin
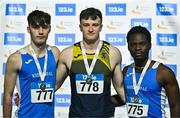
139	58
40	43
91	40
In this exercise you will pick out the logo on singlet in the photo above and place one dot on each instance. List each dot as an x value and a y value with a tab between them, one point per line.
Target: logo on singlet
27	62
129	74
104	55
77	55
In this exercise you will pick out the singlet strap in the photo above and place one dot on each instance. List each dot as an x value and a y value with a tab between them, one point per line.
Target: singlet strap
156	64
22	51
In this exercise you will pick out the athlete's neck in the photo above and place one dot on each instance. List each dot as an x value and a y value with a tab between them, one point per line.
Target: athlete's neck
140	63
90	47
39	50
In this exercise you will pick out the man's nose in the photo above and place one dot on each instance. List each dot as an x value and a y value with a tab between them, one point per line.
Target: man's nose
90	28
138	47
40	30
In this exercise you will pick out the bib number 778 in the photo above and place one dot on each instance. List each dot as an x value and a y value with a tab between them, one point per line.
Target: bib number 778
96	87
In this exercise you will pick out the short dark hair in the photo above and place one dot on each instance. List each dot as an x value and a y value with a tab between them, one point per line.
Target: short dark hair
139	29
92	13
38	17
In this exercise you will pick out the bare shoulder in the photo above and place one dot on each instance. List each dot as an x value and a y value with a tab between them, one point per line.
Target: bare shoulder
125	69
67	51
164	70
14	57
56	52
66	56
115	57
165	74
55	49
115	53
15	60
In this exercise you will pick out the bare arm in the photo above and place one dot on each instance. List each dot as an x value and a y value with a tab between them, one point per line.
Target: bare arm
115	98
12	67
56	53
64	64
116	60
169	82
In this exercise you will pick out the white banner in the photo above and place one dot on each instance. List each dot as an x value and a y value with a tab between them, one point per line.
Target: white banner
158	16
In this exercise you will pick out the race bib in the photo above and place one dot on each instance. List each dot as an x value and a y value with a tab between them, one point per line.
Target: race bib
93	84
137	107
137	110
41	96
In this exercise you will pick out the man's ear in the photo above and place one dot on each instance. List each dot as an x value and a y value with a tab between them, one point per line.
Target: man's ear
28	29
49	29
128	47
80	27
150	45
101	26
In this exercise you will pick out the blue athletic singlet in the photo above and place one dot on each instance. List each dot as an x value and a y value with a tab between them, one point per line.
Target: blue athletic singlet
34	102
91	99
151	98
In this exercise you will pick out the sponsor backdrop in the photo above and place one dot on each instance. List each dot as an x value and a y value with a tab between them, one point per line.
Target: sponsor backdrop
158	16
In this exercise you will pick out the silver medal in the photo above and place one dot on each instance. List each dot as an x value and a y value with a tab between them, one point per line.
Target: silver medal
43	86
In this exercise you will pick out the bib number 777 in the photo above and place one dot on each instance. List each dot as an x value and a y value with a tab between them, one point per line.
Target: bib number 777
137	110
39	96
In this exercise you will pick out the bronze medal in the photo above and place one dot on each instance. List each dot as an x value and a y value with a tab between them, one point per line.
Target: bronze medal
43	86
136	99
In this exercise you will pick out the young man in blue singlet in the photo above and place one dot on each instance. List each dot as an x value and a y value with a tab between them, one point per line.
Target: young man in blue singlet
33	70
147	82
91	65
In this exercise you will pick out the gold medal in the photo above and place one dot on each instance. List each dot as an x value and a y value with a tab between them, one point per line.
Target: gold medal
89	80
43	86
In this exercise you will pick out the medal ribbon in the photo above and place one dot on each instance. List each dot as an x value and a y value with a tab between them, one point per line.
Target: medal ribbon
89	69
42	74
137	86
